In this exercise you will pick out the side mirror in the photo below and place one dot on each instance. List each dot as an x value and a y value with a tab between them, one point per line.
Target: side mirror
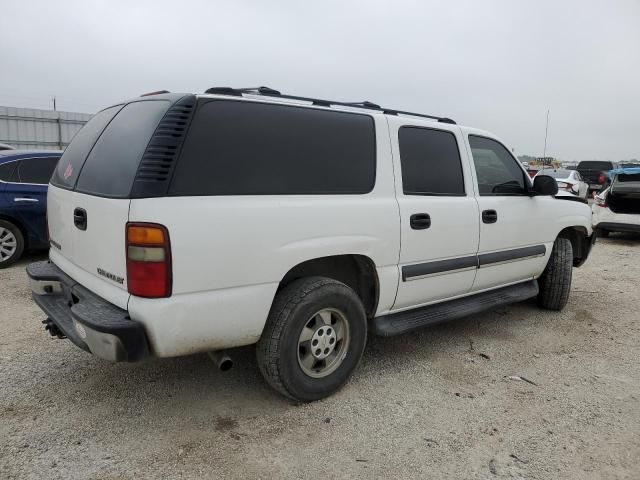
545	185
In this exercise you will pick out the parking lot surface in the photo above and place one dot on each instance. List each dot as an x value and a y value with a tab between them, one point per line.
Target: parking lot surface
513	393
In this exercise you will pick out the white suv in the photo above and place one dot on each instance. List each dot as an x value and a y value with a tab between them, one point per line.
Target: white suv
187	223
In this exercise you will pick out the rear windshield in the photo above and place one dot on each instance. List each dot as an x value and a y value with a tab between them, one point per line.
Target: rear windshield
627	178
103	157
555	173
250	148
70	164
113	162
593	165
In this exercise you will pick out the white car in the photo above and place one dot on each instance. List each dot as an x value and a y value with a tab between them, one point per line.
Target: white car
185	223
617	208
569	182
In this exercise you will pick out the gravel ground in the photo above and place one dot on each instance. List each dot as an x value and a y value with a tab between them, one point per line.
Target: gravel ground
436	404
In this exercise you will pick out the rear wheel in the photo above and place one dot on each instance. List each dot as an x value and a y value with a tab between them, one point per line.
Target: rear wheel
11	243
314	338
555	281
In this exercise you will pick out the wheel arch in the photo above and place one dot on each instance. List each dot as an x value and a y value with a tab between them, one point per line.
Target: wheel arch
354	270
580	242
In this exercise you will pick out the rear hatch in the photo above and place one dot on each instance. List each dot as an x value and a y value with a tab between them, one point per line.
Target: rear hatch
591	170
624	196
88	201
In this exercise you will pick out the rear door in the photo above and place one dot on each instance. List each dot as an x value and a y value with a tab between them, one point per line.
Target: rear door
438	213
88	223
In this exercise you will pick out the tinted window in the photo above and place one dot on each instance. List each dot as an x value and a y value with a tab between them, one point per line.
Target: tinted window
6	171
112	164
247	148
497	171
430	161
36	170
76	153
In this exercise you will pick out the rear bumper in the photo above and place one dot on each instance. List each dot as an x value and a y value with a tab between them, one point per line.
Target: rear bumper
86	319
618	227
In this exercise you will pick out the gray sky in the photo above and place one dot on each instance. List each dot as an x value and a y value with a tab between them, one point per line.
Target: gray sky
496	65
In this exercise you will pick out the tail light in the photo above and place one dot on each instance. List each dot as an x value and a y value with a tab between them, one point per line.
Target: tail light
564	185
148	260
601	178
600	201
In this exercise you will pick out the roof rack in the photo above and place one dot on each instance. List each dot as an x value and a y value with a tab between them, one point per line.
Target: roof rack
270	92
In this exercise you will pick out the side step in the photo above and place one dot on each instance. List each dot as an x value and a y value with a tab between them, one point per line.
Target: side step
407	321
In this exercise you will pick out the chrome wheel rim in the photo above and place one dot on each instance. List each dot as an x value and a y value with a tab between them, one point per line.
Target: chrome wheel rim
8	244
323	343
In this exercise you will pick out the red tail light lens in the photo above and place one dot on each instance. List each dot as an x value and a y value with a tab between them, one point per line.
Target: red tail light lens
148	260
601	178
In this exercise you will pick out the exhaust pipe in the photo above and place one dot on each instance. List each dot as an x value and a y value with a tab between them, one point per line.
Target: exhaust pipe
221	359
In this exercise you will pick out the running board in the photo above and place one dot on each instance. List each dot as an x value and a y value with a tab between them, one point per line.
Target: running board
407	321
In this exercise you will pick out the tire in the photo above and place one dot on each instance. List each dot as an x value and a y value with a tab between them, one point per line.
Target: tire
322	306
603	233
11	244
555	281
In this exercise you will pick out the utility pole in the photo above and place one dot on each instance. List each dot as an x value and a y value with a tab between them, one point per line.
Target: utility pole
546	130
54	104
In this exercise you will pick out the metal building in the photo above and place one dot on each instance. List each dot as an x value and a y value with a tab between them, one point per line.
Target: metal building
30	128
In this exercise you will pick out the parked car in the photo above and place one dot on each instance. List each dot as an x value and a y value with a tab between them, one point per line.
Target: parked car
187	223
569	182
4	146
595	172
24	175
617	208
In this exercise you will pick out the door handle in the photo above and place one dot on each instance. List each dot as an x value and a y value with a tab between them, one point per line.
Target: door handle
80	218
489	216
420	221
26	200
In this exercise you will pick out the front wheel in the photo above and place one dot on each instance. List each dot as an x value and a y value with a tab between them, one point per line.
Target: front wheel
313	340
555	281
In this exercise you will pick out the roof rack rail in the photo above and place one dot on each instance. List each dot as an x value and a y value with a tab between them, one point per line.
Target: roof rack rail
270	92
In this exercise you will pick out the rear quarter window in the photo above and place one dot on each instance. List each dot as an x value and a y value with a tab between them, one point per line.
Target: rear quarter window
250	148
6	171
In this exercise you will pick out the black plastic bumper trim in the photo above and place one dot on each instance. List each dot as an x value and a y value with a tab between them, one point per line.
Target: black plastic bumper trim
618	227
77	304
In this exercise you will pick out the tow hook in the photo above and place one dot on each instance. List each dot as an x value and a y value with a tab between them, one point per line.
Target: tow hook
221	359
53	329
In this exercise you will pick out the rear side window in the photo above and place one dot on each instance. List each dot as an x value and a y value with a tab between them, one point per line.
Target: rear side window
36	170
430	162
113	162
6	171
247	148
70	164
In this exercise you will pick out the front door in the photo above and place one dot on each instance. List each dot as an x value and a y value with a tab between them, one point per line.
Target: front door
438	213
516	230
